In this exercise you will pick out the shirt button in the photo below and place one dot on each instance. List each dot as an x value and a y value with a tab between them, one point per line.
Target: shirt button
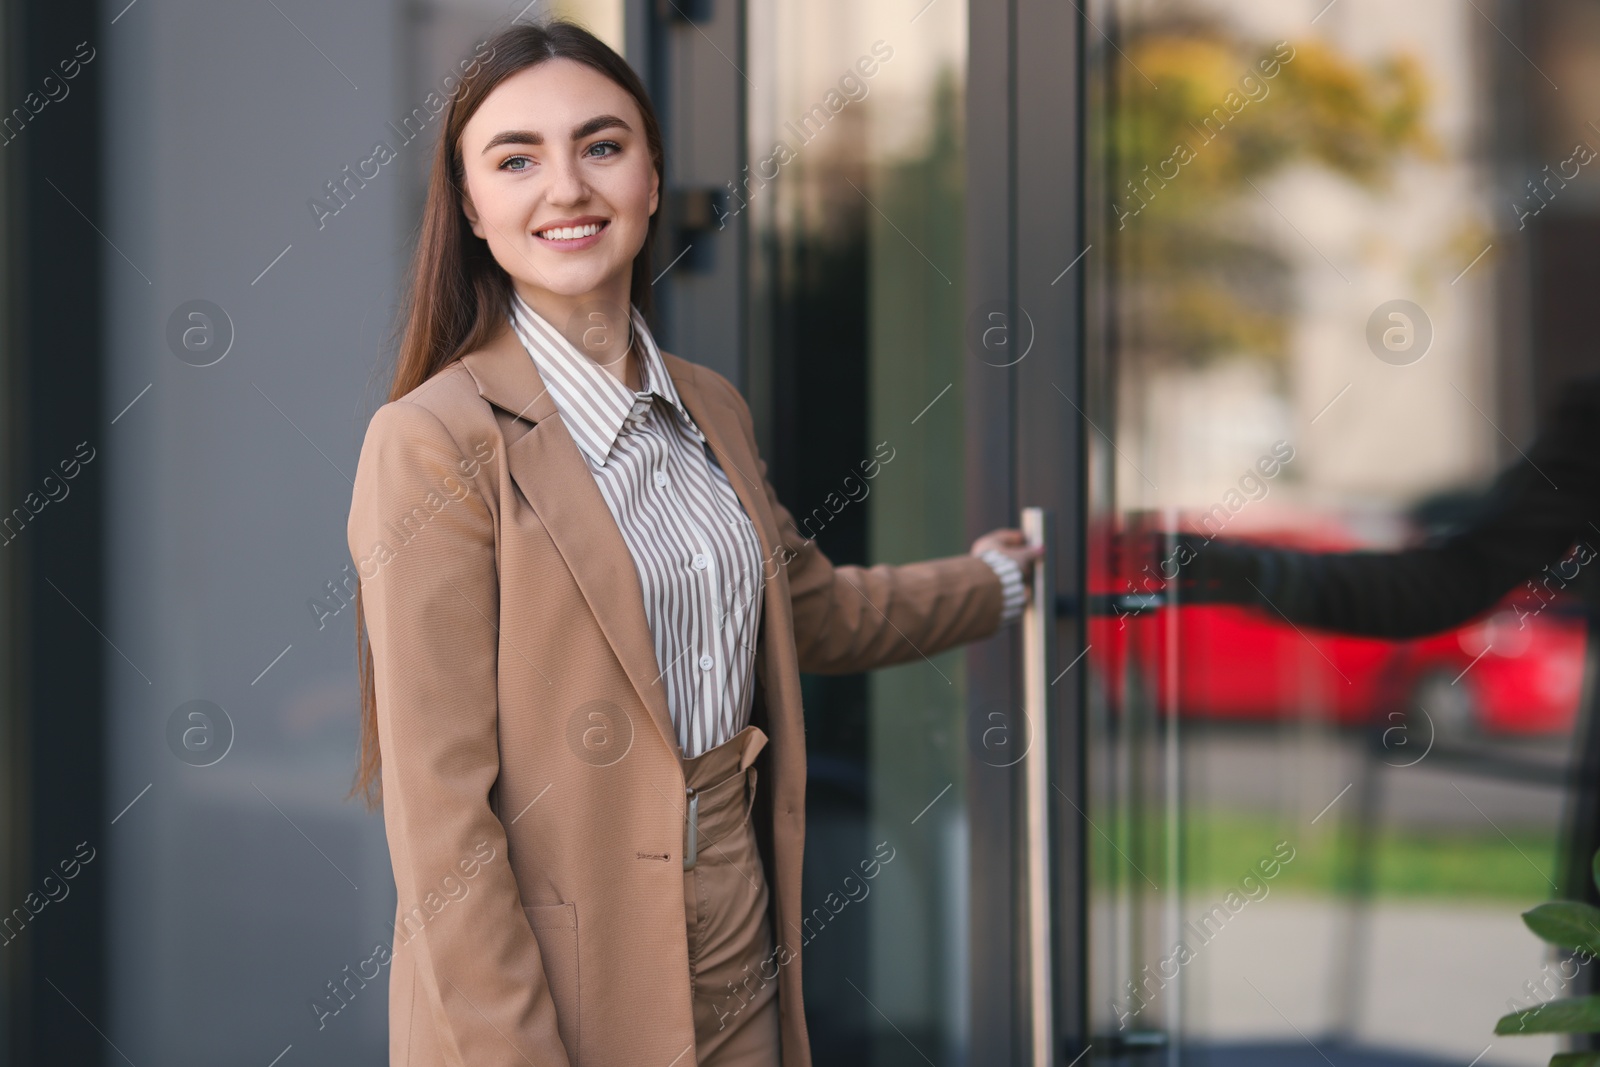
661	477
699	562
706	662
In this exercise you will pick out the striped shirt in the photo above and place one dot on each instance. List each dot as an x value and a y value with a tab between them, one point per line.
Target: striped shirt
1013	592
696	551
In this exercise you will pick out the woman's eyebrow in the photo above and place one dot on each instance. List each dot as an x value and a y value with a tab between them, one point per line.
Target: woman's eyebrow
594	125
598	123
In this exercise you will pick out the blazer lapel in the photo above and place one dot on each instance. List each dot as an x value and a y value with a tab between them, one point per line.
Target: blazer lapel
552	473
720	423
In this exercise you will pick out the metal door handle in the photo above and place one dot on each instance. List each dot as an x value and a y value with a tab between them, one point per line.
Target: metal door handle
1038	634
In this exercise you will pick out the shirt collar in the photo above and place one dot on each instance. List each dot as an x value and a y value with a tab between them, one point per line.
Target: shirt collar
592	402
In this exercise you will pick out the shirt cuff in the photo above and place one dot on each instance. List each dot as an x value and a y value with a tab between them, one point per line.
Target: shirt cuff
1013	592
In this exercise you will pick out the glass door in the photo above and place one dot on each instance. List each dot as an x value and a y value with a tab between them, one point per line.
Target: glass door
855	205
912	205
1308	329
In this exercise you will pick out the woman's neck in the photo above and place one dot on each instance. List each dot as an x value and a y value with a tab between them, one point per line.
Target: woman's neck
598	324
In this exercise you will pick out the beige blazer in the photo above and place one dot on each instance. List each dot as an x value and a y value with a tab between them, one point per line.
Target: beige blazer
532	784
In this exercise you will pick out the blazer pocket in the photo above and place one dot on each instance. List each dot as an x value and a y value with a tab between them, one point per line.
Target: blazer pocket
556	927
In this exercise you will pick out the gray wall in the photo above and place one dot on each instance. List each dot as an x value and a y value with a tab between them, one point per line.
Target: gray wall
240	889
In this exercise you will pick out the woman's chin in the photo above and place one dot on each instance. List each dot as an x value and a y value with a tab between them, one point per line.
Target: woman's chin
568	279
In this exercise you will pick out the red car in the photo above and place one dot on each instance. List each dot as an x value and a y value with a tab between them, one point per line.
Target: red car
1499	674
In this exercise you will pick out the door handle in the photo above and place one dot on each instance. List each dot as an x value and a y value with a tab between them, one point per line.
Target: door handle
1038	637
1113	604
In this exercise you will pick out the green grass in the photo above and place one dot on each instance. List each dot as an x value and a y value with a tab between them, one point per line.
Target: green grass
1220	848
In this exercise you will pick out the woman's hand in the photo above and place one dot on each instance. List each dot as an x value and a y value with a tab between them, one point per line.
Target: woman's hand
1013	543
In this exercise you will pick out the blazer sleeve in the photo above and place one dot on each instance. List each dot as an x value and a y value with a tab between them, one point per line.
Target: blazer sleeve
849	618
424	541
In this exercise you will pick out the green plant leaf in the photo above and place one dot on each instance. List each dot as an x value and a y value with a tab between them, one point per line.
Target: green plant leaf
1570	1015
1575	1059
1595	865
1568	923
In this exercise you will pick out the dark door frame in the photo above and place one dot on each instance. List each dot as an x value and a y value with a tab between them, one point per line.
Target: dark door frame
1024	238
690	54
53	972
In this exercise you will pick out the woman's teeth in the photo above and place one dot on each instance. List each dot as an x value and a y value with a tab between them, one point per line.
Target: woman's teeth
570	233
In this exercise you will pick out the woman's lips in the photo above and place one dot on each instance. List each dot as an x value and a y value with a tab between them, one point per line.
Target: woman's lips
573	244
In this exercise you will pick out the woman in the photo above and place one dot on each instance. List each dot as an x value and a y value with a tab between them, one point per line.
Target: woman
587	614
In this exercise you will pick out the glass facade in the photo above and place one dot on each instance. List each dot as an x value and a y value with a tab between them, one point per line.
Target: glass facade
856	215
1311	329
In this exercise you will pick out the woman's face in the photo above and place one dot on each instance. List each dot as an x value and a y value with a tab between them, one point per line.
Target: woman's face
560	184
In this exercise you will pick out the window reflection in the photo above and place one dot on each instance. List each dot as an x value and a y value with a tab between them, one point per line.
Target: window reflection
856	210
1313	330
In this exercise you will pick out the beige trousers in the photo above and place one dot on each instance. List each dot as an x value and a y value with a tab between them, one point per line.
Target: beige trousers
732	967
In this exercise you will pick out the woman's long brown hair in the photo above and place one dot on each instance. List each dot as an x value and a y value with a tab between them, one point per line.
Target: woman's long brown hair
458	296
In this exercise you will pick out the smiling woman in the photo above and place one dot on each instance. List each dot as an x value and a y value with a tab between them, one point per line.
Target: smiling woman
566	661
586	180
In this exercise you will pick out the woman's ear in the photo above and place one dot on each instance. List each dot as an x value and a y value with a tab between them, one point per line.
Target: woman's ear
472	215
655	190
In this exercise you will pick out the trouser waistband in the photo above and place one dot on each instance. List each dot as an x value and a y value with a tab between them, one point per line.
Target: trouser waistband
715	804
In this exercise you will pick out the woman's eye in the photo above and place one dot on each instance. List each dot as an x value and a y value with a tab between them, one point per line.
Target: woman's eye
606	144
507	163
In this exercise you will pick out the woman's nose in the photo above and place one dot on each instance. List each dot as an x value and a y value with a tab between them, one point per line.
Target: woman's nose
567	185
